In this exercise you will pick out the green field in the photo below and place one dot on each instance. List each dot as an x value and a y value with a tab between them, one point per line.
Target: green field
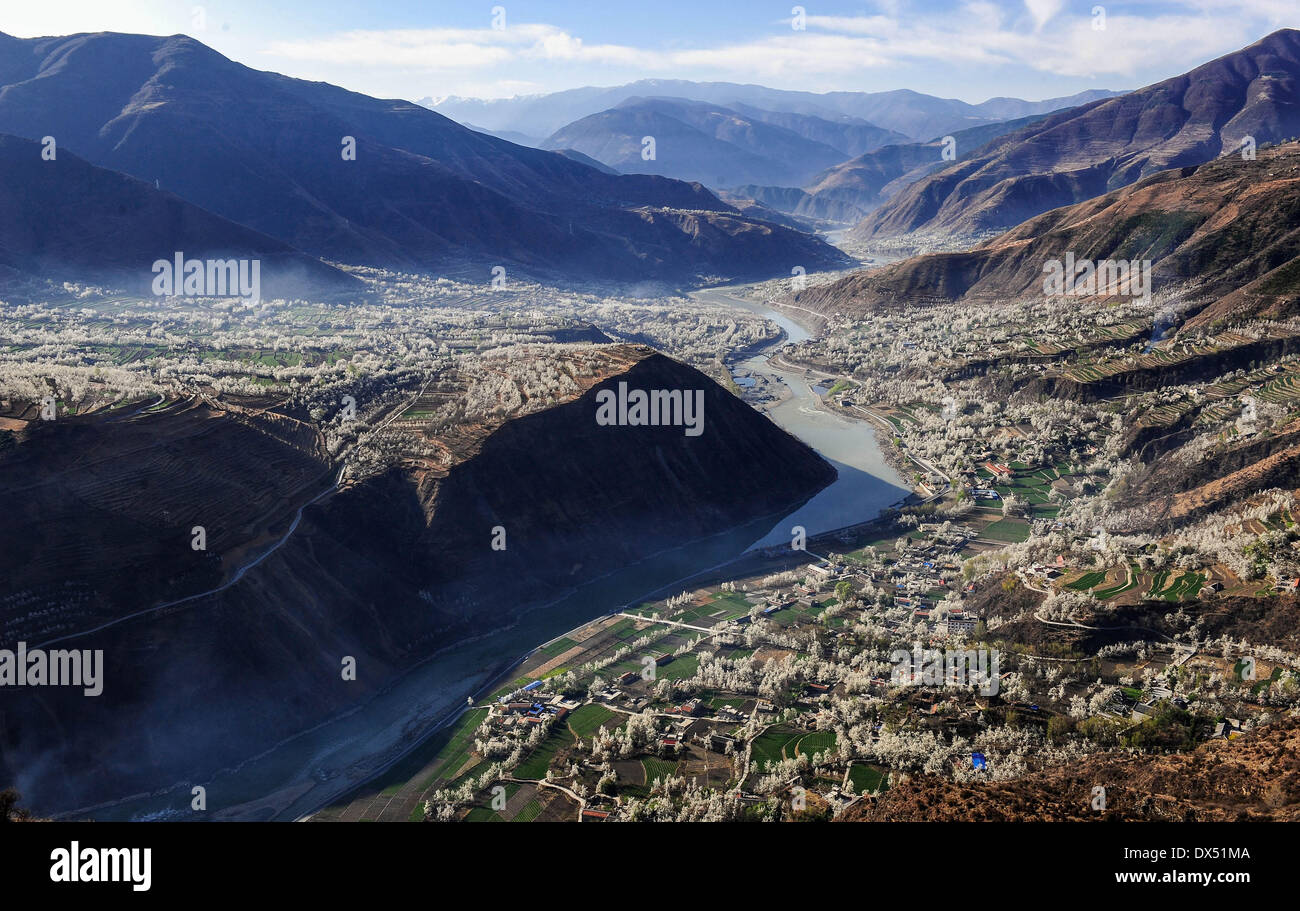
587	719
815	742
448	748
539	761
1012	531
867	778
529	812
1158	582
1188	585
658	768
1087	581
486	813
680	668
768	746
558	647
1121	587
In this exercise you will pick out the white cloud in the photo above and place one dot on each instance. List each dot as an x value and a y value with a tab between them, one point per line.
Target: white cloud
442	49
1042	11
1000	41
63	17
1047	39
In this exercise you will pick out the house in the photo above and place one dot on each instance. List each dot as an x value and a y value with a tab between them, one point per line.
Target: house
594	815
997	470
719	742
627	678
1142	711
766	706
961	624
663	658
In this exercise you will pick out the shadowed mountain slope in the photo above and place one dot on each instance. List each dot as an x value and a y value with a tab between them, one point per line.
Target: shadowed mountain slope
423	192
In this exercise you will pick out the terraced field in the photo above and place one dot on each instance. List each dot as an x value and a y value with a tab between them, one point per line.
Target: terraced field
1161	356
1086	581
1184	585
1283	390
781	742
1127	584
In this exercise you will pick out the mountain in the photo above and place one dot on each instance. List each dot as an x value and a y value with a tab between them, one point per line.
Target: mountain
67	220
519	139
695	141
1225	236
422	192
850	136
390	568
845	193
575	155
913	114
1100	146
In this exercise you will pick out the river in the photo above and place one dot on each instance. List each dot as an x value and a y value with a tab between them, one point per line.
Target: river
305	772
866	484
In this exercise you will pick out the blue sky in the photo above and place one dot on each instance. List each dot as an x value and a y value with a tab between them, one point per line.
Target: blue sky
968	49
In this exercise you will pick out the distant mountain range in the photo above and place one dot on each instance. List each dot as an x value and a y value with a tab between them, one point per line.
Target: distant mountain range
423	193
716	145
912	114
847	192
1249	95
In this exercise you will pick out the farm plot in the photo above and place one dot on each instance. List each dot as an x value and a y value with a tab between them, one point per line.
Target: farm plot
588	719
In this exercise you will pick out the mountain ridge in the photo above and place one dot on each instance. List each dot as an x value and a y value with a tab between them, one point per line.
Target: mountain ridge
420	193
1106	144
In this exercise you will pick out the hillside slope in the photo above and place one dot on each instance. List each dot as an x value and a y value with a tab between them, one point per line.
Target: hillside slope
392	567
1225	234
422	192
67	220
1254	777
848	191
1081	153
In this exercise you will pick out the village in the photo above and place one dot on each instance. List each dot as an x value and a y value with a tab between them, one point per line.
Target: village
778	695
773	696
